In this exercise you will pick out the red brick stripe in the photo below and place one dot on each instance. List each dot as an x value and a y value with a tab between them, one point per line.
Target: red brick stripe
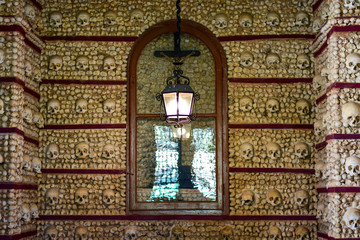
270	80
22	84
181	217
339	190
18	236
83	171
317	5
82	82
321	145
37	4
91	38
86	126
272	126
337	85
323	235
21	186
21	133
259	37
21	30
272	170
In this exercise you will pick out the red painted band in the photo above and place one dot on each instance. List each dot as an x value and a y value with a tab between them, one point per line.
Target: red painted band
339	190
22	84
180	217
259	37
20	186
342	136
321	145
320	99
21	133
91	38
317	5
273	126
272	170
18	236
270	80
86	126
17	28
81	82
83	171
322	48
37	4
337	85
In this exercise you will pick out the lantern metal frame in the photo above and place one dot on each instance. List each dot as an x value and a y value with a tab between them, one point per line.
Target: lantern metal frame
177	83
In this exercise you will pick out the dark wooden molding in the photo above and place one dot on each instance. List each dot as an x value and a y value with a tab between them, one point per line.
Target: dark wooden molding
270	80
215	47
272	170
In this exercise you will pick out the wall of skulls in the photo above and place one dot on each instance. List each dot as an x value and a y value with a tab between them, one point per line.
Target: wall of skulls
175	229
270	103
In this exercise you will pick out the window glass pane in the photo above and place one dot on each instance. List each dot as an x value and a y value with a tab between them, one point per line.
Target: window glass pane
176	169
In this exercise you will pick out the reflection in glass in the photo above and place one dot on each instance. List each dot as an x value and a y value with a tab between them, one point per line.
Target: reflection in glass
181	169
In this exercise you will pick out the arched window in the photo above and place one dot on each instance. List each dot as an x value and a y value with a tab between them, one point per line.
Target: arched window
168	173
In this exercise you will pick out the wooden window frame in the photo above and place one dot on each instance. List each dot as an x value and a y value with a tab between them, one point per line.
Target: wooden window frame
221	206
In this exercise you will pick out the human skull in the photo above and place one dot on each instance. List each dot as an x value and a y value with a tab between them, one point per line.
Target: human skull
273	19
221	20
2	56
109	64
353	62
352	218
81	196
27	115
36	164
26	212
302	198
246	19
82	63
83	19
247	197
110	18
109	106
1	159
303	61
108	151
302	233
51	233
246	104
30	11
302	107
247	151
302	19
38	119
273	151
52	196
28	69
226	233
318	127
130	233
351	4
272	59
27	162
318	82
81	106
82	150
55	63
274	233
34	210
317	24
246	59
55	19
176	233
37	75
274	197
52	151
80	233
302	150
2	107
272	105
352	166
108	196
351	114
136	15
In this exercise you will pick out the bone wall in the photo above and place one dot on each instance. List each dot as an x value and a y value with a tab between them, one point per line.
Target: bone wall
336	121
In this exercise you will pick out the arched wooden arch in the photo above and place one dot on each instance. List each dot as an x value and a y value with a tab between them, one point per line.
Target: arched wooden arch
209	39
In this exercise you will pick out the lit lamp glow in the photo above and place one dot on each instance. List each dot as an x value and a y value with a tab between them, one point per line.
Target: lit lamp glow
181	133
